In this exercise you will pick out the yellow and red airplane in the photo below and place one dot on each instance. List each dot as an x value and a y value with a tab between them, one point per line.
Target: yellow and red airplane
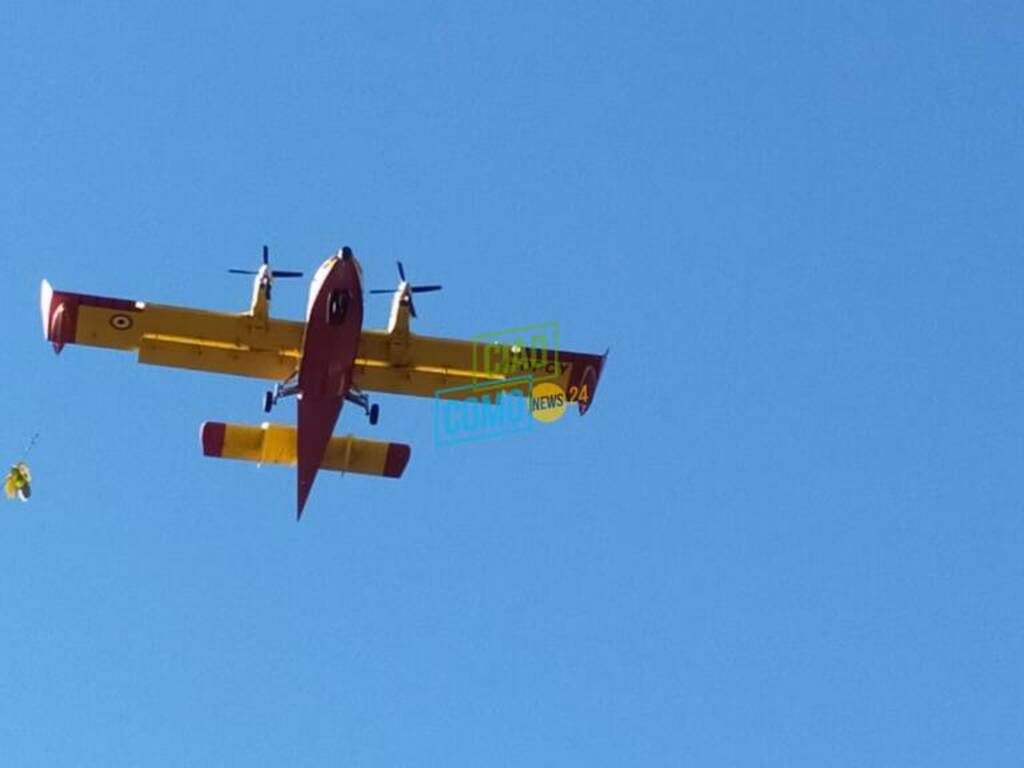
324	361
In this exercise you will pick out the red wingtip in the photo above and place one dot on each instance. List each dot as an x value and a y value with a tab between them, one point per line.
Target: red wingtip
45	304
211	435
590	377
59	314
397	458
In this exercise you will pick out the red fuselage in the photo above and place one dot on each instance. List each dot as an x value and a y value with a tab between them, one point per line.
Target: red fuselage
334	321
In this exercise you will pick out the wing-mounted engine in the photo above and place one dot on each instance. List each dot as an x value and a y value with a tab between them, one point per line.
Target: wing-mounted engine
402	305
259	308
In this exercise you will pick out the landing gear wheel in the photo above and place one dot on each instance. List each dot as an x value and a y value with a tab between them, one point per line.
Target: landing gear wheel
374	414
268	401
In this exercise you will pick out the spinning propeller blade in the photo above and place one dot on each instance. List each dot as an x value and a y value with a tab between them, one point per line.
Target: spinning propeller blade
410	288
266	262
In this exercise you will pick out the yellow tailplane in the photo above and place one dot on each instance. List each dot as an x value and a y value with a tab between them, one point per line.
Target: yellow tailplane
275	444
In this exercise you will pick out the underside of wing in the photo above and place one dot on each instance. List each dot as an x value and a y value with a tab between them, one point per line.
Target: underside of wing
244	345
426	366
180	337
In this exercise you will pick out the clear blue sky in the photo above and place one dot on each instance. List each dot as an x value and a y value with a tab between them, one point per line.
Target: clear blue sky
788	533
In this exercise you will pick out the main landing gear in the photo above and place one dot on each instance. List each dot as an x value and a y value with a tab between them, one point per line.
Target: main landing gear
359	398
287	388
290	386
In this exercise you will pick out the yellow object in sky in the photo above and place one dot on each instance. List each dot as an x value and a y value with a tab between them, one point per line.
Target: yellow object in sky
17	483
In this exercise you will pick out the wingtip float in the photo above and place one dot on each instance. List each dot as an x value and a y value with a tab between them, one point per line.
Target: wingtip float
325	360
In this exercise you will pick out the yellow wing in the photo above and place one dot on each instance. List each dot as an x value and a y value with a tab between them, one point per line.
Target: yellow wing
427	366
395	361
220	342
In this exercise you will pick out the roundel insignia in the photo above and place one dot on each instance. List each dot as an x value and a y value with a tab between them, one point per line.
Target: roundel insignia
121	322
547	402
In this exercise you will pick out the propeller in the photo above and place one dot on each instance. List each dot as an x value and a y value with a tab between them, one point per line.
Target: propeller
410	288
273	272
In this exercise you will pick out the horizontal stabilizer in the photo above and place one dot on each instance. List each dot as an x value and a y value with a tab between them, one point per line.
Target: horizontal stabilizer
275	444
